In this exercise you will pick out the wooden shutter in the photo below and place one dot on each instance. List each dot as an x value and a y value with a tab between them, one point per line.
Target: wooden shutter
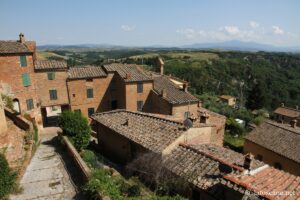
26	79
23	61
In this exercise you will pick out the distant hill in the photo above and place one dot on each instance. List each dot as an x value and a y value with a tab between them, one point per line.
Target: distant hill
233	45
237	45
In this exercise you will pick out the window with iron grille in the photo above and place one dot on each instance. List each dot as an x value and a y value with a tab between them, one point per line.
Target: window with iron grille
53	94
29	103
91	111
140	88
90	93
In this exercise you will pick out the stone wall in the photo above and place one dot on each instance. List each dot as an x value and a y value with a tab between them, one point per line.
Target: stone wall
179	110
18	120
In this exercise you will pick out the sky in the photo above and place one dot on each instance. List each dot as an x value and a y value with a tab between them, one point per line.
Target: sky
151	22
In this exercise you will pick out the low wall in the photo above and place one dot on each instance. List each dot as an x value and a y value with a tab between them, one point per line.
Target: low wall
18	120
85	170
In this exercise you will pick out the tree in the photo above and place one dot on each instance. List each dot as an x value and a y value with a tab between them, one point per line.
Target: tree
7	178
76	127
256	98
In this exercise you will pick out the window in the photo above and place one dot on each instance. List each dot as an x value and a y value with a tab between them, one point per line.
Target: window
140	105
114	104
29	103
53	94
277	165
23	61
90	93
259	157
51	76
77	110
186	115
90	111
140	88
26	79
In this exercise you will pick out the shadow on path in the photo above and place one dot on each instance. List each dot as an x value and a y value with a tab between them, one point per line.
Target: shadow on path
70	166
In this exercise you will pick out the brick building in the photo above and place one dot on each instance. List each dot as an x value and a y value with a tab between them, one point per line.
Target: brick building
17	74
277	145
124	135
285	114
88	89
50	77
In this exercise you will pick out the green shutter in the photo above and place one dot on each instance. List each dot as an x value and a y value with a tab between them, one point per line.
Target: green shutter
29	103
91	111
51	76
26	79
53	94
23	61
90	93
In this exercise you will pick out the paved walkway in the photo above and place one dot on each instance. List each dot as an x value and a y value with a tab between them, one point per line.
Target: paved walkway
49	174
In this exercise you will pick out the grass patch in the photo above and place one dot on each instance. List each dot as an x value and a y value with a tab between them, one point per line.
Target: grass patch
234	142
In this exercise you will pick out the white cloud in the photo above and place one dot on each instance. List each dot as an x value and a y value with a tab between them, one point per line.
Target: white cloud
254	24
232	30
128	28
277	30
190	33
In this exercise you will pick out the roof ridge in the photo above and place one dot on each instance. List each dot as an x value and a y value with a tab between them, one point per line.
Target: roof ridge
137	113
294	109
290	129
241	169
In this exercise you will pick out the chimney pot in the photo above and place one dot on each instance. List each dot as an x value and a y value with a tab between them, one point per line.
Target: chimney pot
128	76
164	93
282	104
185	86
294	123
21	38
248	161
297	107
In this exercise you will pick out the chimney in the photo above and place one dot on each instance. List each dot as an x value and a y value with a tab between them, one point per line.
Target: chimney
164	93
128	76
184	87
204	118
294	123
297	107
21	38
160	67
127	122
282	104
248	161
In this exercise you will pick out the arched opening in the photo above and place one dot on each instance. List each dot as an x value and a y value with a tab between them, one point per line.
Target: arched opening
16	105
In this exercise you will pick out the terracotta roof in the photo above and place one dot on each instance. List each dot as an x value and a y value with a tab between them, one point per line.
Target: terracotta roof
174	94
227	97
129	72
286	111
151	132
50	65
86	72
199	164
278	138
10	46
269	183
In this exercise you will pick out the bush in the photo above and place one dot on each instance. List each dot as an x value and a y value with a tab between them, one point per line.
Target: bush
7	178
258	120
76	127
234	127
89	157
8	102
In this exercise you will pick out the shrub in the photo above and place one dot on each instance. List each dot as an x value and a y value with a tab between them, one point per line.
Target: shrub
8	102
7	178
258	120
234	127
76	127
89	157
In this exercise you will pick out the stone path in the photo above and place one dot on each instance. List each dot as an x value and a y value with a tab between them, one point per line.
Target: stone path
49	174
